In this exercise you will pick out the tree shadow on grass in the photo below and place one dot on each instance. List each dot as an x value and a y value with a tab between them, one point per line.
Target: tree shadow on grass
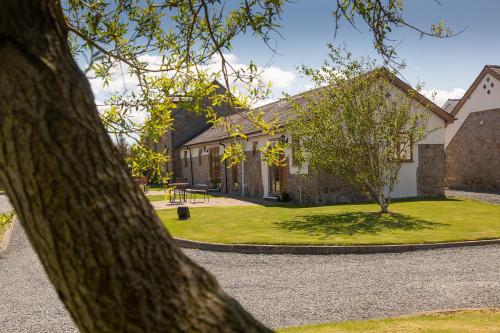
351	223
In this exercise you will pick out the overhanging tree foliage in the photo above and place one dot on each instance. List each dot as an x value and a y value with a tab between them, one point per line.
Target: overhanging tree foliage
104	249
357	125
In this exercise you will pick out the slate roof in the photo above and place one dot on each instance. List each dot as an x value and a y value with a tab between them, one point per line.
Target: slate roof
495	68
280	111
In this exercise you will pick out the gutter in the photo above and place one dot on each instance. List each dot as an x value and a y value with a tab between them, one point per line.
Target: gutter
243	176
191	164
249	134
225	164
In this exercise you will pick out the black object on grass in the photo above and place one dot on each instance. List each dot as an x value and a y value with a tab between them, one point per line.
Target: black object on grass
183	213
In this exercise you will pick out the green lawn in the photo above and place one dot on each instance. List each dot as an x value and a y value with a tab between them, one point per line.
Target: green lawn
478	321
5	221
154	188
412	221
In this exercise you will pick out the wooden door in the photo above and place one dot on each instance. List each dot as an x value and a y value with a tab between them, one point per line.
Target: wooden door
214	165
278	179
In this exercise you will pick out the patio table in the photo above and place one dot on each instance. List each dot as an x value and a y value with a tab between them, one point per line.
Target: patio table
201	189
181	188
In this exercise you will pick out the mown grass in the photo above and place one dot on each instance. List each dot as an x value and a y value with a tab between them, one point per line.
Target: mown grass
411	221
477	321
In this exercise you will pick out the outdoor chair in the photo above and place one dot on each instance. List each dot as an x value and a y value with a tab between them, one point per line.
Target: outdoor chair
177	190
199	189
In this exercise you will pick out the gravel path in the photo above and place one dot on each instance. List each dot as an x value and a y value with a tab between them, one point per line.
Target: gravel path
286	290
493	198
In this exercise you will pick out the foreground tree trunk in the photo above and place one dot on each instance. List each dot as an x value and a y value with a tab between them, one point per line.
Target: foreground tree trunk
111	261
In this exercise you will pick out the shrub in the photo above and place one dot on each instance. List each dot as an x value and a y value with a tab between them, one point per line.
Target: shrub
5	221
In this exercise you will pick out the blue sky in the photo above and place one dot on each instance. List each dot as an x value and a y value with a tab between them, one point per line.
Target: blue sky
443	64
446	66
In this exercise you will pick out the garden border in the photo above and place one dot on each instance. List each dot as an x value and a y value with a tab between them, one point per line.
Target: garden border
326	249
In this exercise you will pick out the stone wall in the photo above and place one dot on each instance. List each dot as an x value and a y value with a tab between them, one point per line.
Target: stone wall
473	155
253	175
319	187
201	170
430	170
232	187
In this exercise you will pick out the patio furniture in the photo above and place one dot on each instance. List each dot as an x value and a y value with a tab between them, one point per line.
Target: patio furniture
177	189
142	182
201	189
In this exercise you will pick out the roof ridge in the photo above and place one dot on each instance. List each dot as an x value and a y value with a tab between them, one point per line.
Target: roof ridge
282	98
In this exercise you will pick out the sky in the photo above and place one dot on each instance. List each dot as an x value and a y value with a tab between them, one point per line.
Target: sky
446	66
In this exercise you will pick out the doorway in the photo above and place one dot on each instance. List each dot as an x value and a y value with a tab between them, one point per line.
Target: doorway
278	179
214	161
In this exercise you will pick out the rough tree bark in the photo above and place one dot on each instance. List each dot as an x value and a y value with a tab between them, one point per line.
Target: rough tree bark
111	261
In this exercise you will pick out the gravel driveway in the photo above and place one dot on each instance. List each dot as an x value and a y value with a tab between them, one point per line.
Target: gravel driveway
493	198
286	290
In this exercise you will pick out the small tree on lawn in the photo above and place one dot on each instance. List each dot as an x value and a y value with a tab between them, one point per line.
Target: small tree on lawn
357	125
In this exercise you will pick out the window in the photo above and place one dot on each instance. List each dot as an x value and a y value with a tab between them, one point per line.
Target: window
254	148
185	158
295	149
200	152
405	149
407	154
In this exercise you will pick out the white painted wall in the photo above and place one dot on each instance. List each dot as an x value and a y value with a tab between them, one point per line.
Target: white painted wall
450	104
195	151
479	100
407	185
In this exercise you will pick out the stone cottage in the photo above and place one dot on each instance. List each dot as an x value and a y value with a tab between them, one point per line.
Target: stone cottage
472	147
421	175
186	125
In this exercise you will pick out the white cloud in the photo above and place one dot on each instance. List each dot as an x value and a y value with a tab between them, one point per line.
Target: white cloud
440	96
121	79
264	102
278	77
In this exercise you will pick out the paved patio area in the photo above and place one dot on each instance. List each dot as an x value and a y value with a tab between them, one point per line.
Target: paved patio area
216	200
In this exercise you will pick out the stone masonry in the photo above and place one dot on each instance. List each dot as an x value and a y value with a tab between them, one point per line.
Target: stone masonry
473	155
320	187
430	171
253	175
201	169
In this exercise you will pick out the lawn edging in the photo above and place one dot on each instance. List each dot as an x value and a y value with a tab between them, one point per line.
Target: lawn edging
325	249
5	239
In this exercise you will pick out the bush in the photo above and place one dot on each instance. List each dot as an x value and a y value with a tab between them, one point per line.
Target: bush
5	221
